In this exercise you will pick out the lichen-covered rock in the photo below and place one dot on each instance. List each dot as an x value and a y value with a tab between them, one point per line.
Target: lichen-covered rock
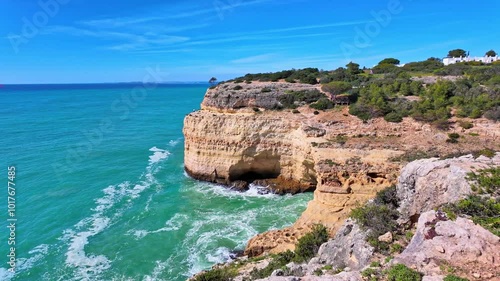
428	183
265	95
347	249
459	244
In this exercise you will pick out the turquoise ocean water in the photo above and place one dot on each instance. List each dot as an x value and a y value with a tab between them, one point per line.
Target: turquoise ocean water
101	193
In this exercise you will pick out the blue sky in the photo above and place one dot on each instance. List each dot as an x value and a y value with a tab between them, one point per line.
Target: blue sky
85	41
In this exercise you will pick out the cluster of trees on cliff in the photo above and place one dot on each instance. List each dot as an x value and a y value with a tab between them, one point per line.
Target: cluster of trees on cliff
393	91
306	75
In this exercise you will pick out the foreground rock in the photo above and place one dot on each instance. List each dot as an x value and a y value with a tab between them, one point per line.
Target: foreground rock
469	249
429	183
348	249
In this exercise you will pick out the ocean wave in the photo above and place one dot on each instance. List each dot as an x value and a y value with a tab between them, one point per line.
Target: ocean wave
91	266
158	155
174	143
24	264
157	271
254	191
175	223
5	274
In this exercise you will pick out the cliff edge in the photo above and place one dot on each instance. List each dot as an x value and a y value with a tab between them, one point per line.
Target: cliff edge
242	134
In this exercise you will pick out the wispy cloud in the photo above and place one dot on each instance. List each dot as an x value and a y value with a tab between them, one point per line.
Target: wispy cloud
118	22
254	59
218	7
124	41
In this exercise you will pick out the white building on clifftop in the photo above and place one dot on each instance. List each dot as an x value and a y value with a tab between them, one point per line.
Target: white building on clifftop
485	59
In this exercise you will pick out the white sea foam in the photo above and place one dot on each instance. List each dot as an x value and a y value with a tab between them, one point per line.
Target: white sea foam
24	264
224	191
222	254
90	266
36	253
175	223
158	155
157	271
173	143
5	274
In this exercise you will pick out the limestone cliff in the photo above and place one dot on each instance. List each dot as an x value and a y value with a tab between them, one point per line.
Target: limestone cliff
240	136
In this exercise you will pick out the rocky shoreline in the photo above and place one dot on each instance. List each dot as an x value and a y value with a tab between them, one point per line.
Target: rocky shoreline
241	136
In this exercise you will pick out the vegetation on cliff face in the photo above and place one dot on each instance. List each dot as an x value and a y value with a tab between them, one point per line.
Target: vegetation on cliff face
484	206
378	217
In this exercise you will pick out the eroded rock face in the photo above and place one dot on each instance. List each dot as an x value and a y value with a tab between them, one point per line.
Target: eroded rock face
428	183
460	244
223	148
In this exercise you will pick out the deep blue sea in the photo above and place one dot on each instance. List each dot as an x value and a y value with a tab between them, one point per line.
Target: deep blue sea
100	188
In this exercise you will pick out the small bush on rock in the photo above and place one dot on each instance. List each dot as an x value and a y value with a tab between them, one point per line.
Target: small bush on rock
378	217
309	244
454	278
400	272
219	274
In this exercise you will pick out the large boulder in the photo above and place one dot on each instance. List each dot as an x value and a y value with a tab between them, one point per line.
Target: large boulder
428	183
347	249
441	243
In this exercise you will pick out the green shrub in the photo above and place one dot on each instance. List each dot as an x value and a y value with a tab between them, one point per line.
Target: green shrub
485	152
409	235
316	112
295	111
322	104
237	88
378	217
266	90
453	138
454	278
483	211
393	117
219	274
327	267
278	261
368	272
400	272
306	96
341	139
309	244
375	264
487	180
465	124
318	272
387	196
212	87
396	248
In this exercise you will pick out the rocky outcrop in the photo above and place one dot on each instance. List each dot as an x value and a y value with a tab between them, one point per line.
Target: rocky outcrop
462	245
427	184
238	138
347	249
224	148
265	95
